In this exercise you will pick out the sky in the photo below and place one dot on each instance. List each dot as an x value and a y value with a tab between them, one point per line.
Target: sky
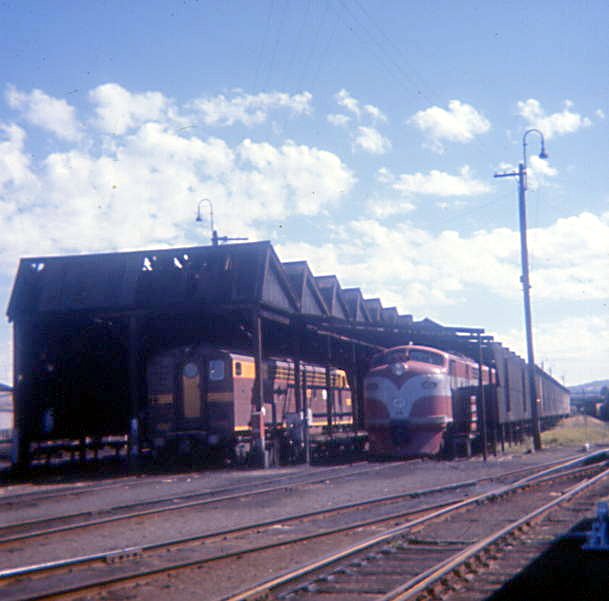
359	136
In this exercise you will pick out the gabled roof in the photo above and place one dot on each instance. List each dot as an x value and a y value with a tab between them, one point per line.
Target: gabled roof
374	308
331	292
405	320
211	275
304	286
355	304
389	315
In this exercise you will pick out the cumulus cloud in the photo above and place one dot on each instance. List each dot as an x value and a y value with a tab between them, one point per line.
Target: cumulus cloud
248	109
14	163
354	106
555	124
118	110
381	208
578	347
570	260
371	140
338	120
460	123
40	109
142	190
439	183
366	138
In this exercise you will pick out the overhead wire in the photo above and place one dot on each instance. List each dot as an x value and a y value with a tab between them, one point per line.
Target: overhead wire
265	37
280	26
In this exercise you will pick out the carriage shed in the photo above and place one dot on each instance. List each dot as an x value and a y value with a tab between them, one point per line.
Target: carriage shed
85	326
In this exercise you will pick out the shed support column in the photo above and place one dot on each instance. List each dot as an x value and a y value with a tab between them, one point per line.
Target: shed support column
258	435
21	383
298	398
482	401
353	378
133	444
329	391
300	393
305	424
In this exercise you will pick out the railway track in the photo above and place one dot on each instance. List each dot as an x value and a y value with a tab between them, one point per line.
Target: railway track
84	519
123	565
51	491
87	519
424	558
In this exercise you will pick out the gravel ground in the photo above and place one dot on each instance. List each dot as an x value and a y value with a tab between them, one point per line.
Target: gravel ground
212	581
238	512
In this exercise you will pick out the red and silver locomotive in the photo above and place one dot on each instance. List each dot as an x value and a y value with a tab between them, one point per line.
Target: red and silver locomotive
414	394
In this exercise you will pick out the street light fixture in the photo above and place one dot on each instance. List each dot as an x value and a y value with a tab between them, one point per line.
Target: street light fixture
214	233
526	286
215	239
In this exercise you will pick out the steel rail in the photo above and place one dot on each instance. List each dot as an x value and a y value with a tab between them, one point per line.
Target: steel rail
132	551
142	479
243	488
294	574
138	551
13	572
180	506
426	579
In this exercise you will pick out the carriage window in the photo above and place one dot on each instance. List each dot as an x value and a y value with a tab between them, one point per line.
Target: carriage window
238	368
216	370
453	368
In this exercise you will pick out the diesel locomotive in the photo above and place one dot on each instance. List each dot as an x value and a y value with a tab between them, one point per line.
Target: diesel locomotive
201	400
420	400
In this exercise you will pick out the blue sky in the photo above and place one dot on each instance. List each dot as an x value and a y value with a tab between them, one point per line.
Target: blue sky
360	136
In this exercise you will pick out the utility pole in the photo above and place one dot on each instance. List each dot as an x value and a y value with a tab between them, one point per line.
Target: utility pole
521	174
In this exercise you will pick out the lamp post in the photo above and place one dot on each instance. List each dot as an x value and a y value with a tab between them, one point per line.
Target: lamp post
526	286
215	239
214	233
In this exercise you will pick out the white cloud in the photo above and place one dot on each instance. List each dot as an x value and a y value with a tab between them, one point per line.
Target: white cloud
439	183
351	104
564	122
381	208
599	113
539	171
460	123
569	262
365	138
119	110
371	140
338	120
248	109
578	347
142	191
42	110
14	163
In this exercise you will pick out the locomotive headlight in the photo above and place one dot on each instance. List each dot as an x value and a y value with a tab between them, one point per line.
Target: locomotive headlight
398	369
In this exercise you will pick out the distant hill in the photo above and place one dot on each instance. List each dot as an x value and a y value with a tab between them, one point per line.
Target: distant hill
588	389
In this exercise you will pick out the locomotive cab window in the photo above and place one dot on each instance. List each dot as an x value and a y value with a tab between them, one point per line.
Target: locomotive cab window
190	371
238	368
426	357
216	370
